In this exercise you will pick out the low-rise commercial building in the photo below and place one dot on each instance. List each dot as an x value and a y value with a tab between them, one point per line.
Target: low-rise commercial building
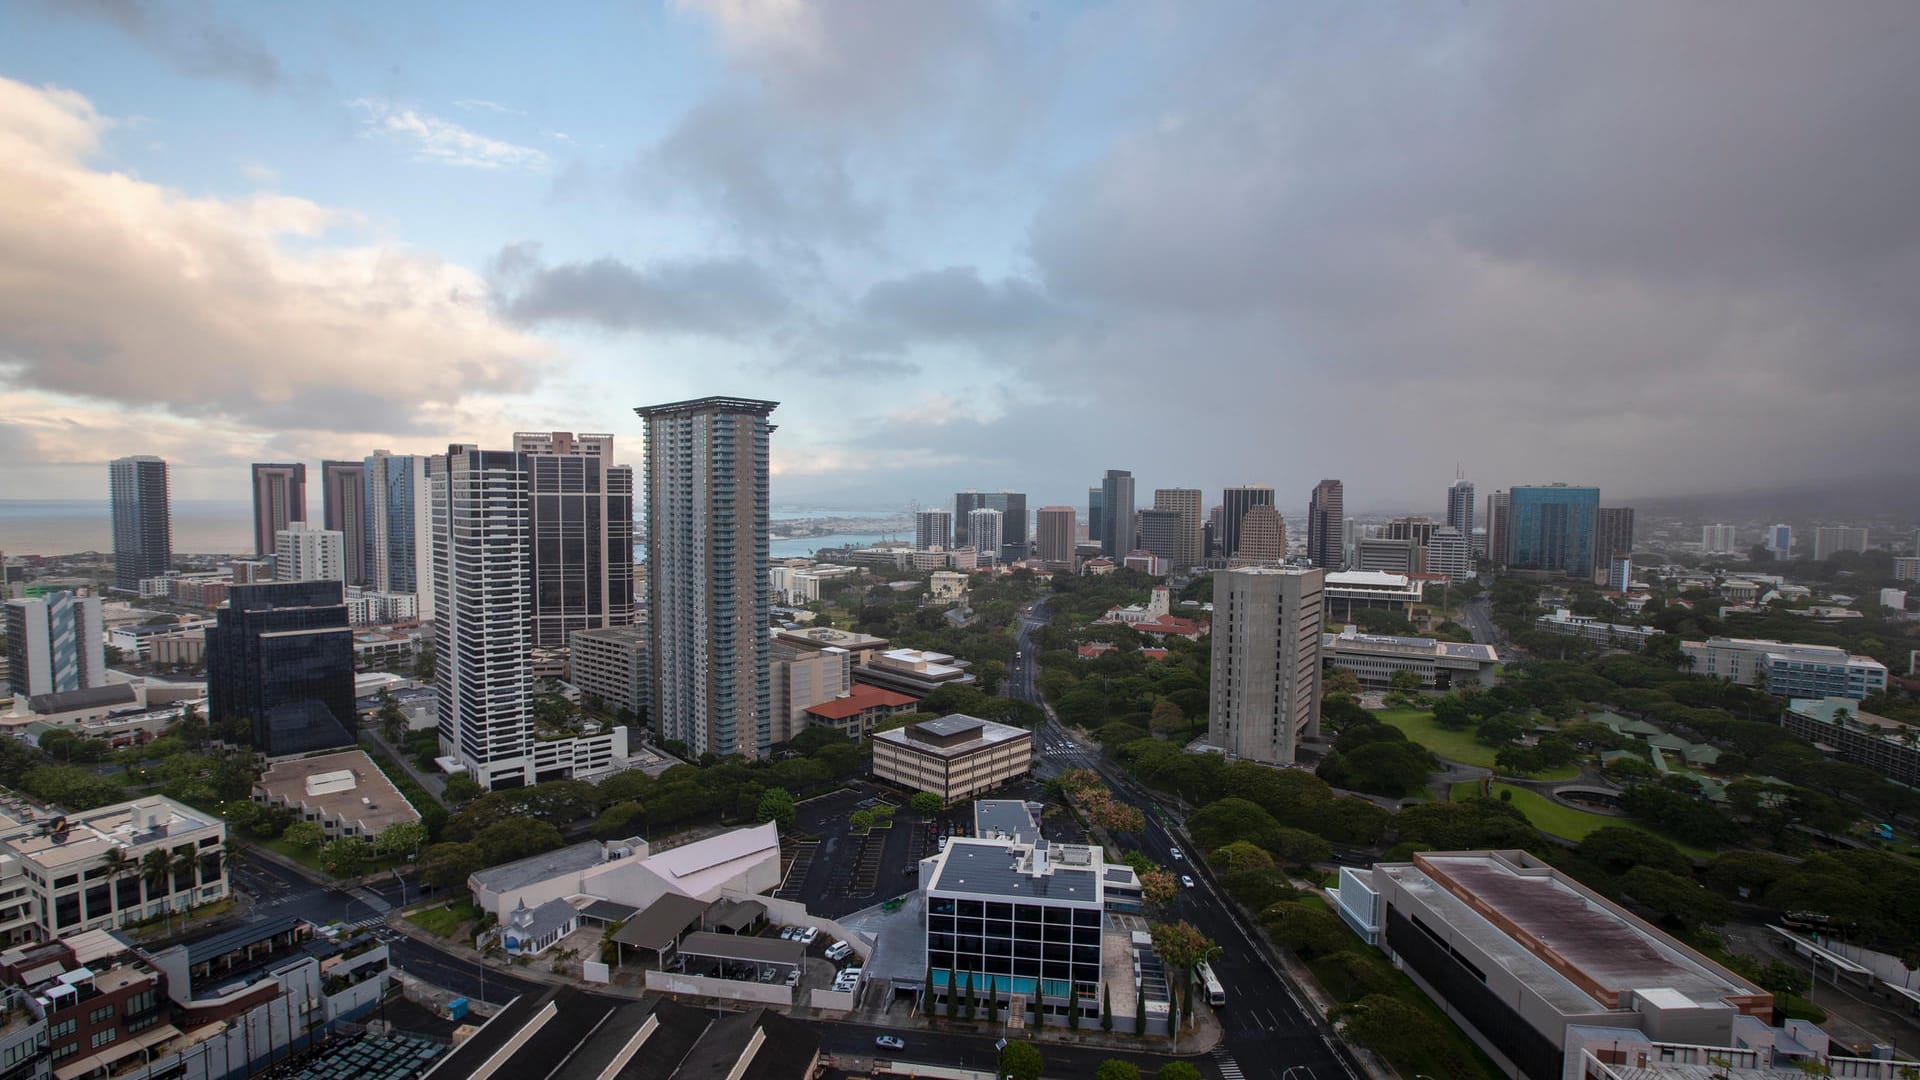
613	665
915	672
1600	632
1888	747
1376	658
954	757
802	678
65	874
1349	591
626	872
1787	670
345	794
799	581
857	645
856	712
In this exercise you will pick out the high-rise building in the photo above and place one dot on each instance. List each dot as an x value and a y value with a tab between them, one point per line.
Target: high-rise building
1717	539
1163	532
1096	515
529	545
1499	528
279	500
1612	539
1191	550
302	552
1460	506
1829	540
399	517
1263	537
1780	541
1266	661
984	529
142	520
55	643
1054	534
1013	523
1116	509
1417	529
343	508
1326	525
580	511
280	659
1234	504
1386	555
707	509
932	529
1449	553
1553	529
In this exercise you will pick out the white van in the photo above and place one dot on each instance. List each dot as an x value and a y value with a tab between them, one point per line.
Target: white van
839	950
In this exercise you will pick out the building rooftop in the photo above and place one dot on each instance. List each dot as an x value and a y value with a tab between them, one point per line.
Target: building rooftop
1011	818
1367	579
92	697
1829	710
999	868
89	835
704	866
345	786
535	868
859	698
949	736
1581	951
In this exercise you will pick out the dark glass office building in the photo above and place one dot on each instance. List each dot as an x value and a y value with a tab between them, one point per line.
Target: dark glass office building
280	658
142	520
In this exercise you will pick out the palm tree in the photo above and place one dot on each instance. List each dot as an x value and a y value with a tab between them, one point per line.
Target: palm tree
156	870
117	865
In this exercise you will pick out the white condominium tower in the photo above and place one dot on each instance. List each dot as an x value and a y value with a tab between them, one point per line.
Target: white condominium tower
707	507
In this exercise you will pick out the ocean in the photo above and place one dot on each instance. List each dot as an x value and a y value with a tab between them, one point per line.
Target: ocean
223	526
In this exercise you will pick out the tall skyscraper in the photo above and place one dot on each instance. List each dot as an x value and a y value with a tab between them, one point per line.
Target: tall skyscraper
1096	515
1460	506
984	527
1830	540
343	508
1013	522
1553	528
580	508
55	643
707	509
1718	539
1500	528
1191	550
1054	533
1326	525
1116	511
1266	661
399	518
1780	541
528	546
1234	503
142	520
304	553
280	658
1612	539
1263	537
1417	529
932	529
279	500
1163	532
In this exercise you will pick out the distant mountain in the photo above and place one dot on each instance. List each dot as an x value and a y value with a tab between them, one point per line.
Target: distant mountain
1886	497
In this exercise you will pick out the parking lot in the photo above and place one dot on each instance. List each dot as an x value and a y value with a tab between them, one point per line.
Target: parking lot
835	872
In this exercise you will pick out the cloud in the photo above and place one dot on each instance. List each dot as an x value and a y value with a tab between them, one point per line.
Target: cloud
243	311
725	297
483	105
434	139
187	37
955	304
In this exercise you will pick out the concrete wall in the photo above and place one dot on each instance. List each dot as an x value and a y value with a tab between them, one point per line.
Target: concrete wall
794	913
833	999
672	982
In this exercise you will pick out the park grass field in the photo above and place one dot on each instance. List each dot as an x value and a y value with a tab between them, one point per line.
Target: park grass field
1460	746
1564	821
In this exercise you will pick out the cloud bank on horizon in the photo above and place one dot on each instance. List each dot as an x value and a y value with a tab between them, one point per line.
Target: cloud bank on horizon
1659	248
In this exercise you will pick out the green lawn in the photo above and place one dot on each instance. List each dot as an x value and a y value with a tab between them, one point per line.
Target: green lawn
1458	746
444	919
1564	821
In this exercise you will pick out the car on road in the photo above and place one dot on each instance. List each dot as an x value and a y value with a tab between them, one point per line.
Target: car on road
890	1042
1186	882
1175	852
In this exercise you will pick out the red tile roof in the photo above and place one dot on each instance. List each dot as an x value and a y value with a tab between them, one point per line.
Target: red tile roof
1154	654
862	698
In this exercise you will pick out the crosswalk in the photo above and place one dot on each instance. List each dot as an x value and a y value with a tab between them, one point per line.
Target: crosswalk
364	923
373	900
1061	751
1229	1068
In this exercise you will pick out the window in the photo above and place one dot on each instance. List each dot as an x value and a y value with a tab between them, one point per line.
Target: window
66	1051
61	1029
102	1038
100	1015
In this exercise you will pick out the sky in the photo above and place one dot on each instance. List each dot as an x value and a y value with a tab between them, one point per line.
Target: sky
1662	248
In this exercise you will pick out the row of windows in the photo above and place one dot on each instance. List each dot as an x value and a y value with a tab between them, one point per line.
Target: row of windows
994	909
1008	931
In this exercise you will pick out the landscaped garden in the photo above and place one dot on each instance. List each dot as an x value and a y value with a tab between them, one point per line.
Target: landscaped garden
1456	745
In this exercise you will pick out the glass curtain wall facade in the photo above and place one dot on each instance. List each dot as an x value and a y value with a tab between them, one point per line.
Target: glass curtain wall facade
280	659
1553	528
142	520
1017	948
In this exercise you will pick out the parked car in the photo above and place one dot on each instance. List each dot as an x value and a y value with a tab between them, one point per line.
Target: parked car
1186	882
787	932
793	977
839	950
890	1042
805	937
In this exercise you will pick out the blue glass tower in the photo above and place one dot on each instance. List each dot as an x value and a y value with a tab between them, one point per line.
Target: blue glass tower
1553	529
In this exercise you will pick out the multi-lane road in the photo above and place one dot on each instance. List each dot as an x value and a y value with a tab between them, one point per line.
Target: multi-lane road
1270	1033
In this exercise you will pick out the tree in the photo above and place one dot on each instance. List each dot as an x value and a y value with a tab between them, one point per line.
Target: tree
926	994
1176	1070
776	805
447	866
925	803
1021	1060
1404	681
953	995
400	838
1181	946
1617	850
993	1001
1342	681
1106	1009
346	857
1166	717
462	788
966	987
1240	855
1157	886
305	835
1309	931
1115	1069
1679	900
